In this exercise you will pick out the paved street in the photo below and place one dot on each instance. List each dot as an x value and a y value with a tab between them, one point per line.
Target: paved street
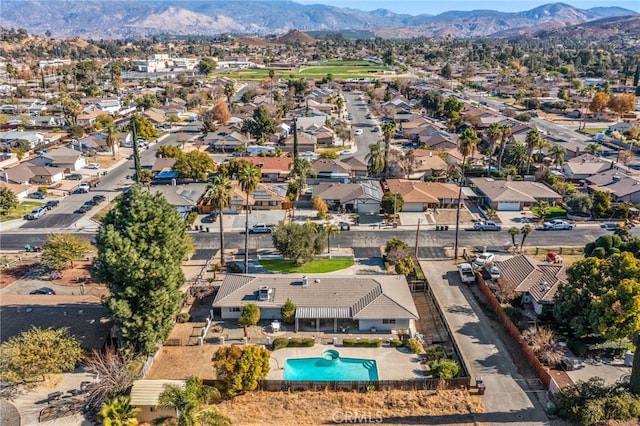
508	398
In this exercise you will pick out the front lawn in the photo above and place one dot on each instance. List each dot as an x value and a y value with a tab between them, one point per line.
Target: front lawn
22	209
317	266
555	211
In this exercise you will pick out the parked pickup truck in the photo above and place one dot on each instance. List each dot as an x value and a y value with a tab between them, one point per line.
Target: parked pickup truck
260	228
558	224
467	274
487	226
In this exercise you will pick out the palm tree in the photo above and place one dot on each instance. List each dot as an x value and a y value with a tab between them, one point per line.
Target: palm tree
248	177
146	176
388	128
506	133
468	142
220	192
112	139
493	134
118	412
532	141
513	231
526	230
593	148
557	153
375	158
188	401
332	230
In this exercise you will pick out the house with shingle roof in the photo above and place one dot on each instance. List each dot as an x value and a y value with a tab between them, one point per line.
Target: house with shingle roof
20	174
64	158
419	196
584	166
162	165
46	175
273	169
513	195
622	187
323	302
19	190
331	169
426	164
358	168
537	281
363	197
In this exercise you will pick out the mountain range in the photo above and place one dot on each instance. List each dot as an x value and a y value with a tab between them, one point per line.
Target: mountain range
114	19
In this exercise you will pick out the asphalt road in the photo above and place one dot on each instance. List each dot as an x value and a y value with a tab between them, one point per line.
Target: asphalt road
358	110
431	243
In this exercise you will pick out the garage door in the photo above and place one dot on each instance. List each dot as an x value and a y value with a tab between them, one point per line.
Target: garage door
371	208
508	206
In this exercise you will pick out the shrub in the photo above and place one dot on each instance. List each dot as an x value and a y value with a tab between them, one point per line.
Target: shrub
444	368
589	248
282	342
613	251
183	317
578	347
362	343
592	402
279	343
42	189
598	252
434	352
301	343
191	218
414	346
395	343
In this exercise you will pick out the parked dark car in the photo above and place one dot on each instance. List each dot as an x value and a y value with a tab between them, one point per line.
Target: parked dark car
43	290
38	195
97	199
50	205
74	176
84	208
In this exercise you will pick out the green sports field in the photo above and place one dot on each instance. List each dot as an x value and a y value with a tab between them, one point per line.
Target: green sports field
340	70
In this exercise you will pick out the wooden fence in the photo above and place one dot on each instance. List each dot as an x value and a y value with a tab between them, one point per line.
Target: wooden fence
415	384
528	354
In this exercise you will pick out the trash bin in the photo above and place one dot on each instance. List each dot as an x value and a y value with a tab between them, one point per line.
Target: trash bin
551	408
221	340
27	248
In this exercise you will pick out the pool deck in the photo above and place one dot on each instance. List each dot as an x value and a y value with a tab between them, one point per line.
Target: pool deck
393	363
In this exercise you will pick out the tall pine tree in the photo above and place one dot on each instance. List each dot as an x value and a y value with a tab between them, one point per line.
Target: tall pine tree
141	245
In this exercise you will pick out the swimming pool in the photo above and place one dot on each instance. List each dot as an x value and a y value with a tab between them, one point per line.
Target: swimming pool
330	367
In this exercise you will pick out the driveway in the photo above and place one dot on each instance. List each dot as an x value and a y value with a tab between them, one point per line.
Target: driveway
510	397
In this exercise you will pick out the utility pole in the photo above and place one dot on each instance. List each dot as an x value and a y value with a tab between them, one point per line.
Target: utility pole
136	151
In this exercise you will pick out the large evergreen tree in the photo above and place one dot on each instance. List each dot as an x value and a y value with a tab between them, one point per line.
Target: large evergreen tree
141	245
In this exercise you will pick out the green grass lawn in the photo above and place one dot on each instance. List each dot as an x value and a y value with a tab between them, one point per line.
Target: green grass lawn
556	211
317	266
339	70
594	130
19	212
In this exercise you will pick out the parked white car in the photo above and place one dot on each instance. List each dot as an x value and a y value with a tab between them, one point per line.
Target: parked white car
557	224
484	258
260	228
467	274
487	226
93	166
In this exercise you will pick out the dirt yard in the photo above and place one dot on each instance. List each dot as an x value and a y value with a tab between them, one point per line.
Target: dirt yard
181	362
327	407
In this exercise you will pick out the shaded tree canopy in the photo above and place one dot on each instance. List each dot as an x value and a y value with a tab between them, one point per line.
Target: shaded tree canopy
141	245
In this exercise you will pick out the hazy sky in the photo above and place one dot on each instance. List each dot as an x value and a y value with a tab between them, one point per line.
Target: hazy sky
433	7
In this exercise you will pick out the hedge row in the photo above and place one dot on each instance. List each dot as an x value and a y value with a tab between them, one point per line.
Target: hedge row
362	343
282	342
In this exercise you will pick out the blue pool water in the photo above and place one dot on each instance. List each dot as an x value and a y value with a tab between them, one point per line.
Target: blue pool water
330	368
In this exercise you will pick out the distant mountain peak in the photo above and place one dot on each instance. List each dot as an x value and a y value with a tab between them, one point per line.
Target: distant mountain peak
125	18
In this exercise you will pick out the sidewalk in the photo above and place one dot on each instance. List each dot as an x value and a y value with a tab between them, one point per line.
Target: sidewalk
508	398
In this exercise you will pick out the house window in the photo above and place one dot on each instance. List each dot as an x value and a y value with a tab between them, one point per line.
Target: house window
388	321
236	309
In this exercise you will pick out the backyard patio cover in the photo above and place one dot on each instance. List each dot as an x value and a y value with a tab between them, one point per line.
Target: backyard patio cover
322	312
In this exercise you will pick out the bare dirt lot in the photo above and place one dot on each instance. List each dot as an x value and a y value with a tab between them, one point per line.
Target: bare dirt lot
181	362
328	407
